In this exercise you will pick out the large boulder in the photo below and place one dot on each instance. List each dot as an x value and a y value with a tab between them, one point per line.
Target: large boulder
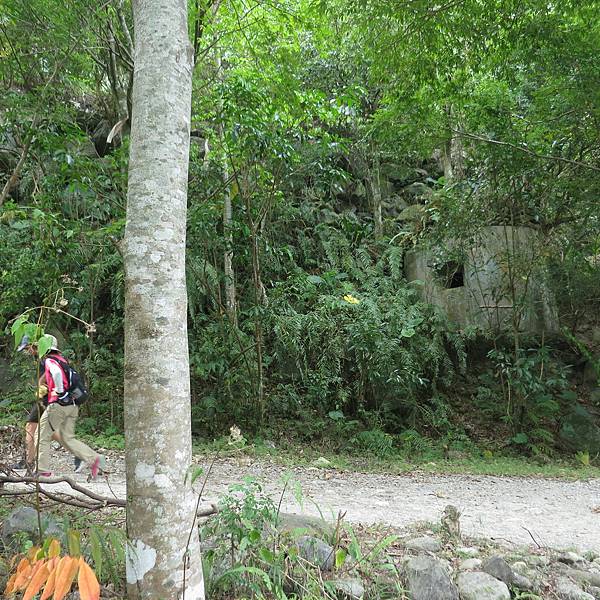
428	580
580	431
481	586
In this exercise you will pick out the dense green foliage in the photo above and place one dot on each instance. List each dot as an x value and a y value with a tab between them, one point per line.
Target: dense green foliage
344	132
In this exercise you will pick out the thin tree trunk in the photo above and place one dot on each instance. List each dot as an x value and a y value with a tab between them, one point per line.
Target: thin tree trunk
230	292
447	159
376	197
261	298
163	552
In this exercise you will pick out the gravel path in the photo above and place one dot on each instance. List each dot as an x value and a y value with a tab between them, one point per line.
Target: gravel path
556	513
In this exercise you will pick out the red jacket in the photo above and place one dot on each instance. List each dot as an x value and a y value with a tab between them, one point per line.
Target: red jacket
56	379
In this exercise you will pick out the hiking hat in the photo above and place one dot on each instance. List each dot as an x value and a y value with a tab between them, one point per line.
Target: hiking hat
54	344
25	342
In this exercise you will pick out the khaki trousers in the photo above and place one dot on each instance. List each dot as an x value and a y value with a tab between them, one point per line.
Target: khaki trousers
61	419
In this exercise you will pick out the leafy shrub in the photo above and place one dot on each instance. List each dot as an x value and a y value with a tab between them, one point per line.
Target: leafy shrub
373	441
413	443
533	387
375	349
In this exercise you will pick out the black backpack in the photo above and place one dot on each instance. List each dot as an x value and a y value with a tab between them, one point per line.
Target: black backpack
77	393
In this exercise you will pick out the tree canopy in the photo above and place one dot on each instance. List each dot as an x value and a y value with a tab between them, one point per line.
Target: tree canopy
341	134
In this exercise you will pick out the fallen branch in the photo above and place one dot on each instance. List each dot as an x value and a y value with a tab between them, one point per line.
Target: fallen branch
101	501
97	501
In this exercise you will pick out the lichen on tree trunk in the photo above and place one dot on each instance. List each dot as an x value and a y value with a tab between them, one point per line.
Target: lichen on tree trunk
160	502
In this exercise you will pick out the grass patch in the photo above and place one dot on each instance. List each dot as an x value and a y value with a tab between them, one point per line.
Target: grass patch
435	460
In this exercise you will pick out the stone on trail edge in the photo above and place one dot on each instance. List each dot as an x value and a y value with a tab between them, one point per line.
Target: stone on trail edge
428	580
470	564
476	585
567	590
497	567
424	544
351	588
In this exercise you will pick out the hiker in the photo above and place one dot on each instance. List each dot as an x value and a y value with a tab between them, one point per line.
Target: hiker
33	418
60	415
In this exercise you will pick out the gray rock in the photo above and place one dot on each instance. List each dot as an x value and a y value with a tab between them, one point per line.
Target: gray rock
351	587
522	582
316	552
468	551
470	564
591	556
520	567
25	520
571	558
538	560
580	576
497	567
424	544
288	522
428	580
567	590
418	189
580	432
481	586
594	591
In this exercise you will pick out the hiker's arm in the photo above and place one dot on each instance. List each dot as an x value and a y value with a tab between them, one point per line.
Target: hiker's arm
54	380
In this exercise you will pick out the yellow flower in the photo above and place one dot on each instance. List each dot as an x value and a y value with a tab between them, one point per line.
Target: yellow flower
351	299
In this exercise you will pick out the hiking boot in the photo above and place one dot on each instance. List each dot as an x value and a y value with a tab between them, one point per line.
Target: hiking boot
38	474
23	465
98	465
78	465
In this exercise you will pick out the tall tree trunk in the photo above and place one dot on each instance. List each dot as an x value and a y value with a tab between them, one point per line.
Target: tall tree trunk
163	553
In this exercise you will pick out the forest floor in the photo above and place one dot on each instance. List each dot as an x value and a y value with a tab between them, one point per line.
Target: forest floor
535	511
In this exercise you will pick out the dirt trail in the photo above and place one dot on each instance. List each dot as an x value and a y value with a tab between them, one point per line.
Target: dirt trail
556	513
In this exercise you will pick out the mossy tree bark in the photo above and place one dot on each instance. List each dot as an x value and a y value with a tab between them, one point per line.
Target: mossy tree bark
163	559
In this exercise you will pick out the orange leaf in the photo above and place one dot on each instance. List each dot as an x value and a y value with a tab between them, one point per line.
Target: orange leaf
89	588
35	567
24	563
54	548
64	579
53	567
36	583
10	586
23	576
